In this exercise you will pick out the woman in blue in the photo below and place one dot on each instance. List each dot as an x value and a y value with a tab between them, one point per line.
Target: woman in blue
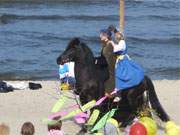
127	72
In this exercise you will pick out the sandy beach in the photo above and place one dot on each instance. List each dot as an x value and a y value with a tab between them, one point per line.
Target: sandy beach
32	105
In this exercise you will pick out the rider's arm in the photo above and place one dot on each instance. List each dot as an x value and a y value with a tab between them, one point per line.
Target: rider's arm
121	46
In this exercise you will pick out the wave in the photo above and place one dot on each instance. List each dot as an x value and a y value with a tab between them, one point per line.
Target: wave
131	39
58	1
8	17
154	1
28	75
53	37
174	40
170	41
162	73
164	4
5	61
165	17
155	17
139	40
76	1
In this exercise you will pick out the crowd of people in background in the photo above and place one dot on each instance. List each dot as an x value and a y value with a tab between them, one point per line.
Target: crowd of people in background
26	129
29	129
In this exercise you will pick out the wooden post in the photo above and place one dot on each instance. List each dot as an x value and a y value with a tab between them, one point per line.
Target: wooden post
121	13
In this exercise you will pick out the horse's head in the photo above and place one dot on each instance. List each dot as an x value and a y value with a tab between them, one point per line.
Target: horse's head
75	51
71	52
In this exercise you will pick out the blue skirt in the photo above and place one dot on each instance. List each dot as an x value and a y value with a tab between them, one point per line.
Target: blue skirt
127	74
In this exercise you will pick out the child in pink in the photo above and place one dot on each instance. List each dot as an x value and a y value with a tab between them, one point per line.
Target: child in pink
56	128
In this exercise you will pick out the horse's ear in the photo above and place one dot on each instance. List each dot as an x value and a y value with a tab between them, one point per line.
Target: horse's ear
75	41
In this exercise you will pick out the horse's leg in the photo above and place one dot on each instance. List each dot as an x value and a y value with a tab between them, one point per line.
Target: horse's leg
124	116
128	120
133	112
127	113
135	96
135	100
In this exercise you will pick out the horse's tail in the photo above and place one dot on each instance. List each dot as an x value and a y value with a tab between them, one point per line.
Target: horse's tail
155	104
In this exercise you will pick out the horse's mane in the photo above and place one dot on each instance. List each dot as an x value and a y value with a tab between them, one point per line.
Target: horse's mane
72	43
88	53
87	49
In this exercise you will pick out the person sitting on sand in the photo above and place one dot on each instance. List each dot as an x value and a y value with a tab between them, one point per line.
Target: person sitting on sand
27	129
127	72
4	129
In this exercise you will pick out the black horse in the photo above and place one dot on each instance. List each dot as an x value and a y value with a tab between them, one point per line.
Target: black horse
90	85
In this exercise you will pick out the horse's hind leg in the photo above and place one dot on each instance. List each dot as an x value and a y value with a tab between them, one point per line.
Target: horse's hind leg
136	101
135	107
128	120
135	96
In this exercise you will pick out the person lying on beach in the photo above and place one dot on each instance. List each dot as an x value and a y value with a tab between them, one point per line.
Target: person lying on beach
27	129
4	129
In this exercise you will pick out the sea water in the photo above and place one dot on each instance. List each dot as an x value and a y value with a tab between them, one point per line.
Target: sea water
34	33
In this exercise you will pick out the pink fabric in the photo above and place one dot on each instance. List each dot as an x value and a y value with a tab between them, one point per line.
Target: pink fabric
62	113
113	92
103	98
80	120
55	132
100	100
81	117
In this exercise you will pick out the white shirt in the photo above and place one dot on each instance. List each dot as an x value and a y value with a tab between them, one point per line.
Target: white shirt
121	46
